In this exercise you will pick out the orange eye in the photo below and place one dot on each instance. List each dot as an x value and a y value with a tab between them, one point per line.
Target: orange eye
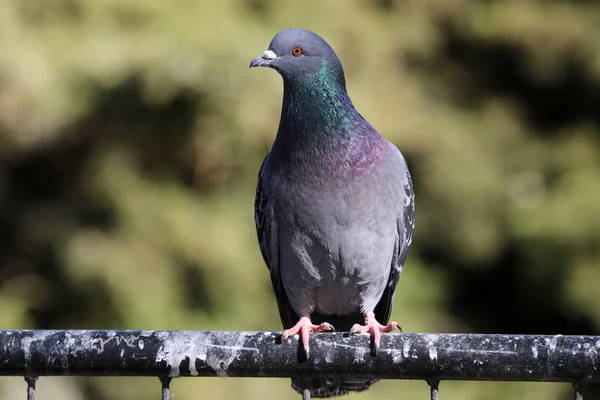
297	51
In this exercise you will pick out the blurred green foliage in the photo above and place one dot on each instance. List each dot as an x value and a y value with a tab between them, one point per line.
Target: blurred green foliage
131	134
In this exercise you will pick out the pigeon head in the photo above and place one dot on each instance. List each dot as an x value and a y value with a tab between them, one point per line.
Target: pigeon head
297	54
314	87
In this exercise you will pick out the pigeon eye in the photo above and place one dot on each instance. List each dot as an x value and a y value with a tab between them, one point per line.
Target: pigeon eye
297	51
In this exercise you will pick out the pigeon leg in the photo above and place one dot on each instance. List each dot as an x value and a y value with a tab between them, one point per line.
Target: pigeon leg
304	327
372	326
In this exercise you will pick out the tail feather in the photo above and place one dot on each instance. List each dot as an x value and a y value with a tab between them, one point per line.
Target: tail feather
330	387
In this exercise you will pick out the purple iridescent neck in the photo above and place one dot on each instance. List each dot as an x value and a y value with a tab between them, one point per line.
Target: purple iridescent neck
320	131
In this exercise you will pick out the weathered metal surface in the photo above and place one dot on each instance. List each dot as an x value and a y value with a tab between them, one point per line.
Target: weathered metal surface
260	354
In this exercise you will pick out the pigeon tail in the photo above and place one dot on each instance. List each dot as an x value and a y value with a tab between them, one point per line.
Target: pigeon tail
333	387
330	387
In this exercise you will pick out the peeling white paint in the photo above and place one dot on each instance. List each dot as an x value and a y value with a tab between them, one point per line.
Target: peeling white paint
26	344
359	355
406	348
328	356
99	343
534	350
358	360
552	344
197	346
593	356
141	344
218	346
396	355
347	346
452	350
432	353
431	347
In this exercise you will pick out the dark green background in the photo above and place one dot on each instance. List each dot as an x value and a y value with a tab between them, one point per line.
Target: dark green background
131	134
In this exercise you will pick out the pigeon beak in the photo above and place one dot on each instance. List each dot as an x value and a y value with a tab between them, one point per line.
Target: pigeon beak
264	60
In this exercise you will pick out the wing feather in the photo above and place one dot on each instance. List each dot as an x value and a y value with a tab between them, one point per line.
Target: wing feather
405	225
267	231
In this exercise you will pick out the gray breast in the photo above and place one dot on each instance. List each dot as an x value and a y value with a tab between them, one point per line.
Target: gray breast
336	246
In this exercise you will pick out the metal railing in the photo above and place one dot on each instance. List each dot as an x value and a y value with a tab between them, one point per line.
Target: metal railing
172	354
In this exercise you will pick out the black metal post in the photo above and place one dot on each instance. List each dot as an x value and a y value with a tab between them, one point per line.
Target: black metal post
578	388
259	354
434	390
166	389
31	381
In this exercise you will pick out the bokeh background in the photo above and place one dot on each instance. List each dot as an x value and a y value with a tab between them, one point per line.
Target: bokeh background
132	131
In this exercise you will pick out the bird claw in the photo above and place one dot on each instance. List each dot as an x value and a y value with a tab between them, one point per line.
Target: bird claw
304	327
375	328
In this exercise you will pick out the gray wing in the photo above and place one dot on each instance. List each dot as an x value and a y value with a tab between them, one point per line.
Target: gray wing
405	225
267	231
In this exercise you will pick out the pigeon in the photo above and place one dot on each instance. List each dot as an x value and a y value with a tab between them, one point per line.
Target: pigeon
334	208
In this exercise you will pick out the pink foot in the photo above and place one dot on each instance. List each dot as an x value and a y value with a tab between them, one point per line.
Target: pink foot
374	327
304	327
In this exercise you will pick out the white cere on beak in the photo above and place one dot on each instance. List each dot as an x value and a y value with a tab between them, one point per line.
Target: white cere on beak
269	54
